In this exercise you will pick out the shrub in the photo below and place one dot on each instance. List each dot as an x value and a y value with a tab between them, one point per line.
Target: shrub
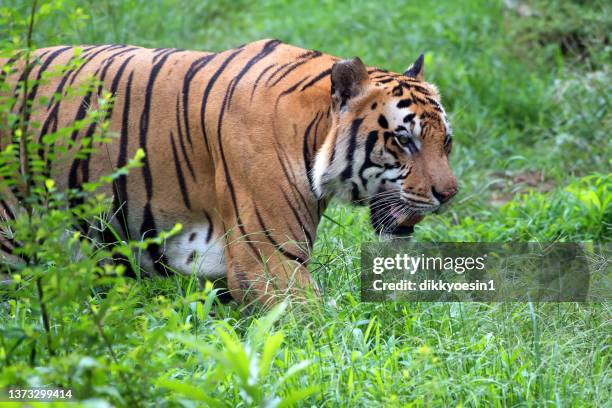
582	211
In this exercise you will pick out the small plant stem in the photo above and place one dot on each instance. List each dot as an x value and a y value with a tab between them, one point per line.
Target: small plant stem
45	315
109	346
24	168
23	140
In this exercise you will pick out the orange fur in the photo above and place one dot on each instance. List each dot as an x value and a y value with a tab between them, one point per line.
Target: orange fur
230	141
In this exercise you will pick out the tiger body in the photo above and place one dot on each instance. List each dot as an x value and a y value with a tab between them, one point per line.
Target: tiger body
242	147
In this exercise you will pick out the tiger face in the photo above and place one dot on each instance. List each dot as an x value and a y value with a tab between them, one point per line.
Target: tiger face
389	146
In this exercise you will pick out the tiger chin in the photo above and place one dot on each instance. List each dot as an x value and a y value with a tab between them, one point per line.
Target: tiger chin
244	148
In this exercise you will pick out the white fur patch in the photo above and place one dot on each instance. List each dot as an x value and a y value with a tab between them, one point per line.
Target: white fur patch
318	170
396	118
189	253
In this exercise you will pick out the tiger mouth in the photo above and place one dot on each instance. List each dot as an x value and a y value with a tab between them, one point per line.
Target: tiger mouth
392	216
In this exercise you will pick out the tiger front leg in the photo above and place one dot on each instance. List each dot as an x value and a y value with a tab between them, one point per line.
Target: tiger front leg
268	235
265	254
262	272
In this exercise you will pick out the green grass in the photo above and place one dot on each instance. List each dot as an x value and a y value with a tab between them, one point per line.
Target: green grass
529	99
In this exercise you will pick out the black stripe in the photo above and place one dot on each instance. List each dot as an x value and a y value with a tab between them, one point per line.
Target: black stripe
73	181
303	59
292	181
89	58
6	249
348	171
418	88
6	68
120	199
404	103
41	71
387	136
367	162
54	105
165	52
20	88
393	180
382	121
230	184
118	75
354	192
25	109
179	175
435	104
397	90
306	153
409	117
90	131
144	122
113	90
83	162
50	122
210	227
148	222
419	100
298	219
147	229
315	133
447	139
276	71
194	68
267	49
289	90
448	143
42	54
261	74
286	253
316	79
7	209
209	87
373	70
59	90
181	141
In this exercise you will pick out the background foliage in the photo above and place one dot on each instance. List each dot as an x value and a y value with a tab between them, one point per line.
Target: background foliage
527	85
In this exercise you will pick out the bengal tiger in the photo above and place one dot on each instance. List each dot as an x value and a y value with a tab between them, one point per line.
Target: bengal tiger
244	148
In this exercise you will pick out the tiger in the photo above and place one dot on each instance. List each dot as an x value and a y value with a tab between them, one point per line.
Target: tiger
245	148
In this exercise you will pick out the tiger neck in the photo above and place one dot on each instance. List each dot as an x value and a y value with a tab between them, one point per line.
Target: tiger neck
304	134
318	131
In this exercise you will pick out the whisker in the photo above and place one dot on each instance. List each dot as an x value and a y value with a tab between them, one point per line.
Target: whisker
381	204
380	195
389	217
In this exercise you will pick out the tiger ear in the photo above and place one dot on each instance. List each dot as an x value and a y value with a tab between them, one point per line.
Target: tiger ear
416	69
348	79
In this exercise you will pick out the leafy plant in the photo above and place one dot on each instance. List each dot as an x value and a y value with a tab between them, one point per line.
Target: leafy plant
581	211
243	368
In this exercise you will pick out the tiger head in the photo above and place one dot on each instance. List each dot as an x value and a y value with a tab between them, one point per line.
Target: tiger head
388	146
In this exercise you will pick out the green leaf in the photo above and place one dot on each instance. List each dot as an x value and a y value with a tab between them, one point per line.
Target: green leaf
296	396
270	349
190	392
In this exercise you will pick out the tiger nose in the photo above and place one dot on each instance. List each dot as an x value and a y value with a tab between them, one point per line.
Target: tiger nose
445	195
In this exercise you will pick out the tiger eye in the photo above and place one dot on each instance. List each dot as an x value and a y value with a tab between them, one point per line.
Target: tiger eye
403	139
